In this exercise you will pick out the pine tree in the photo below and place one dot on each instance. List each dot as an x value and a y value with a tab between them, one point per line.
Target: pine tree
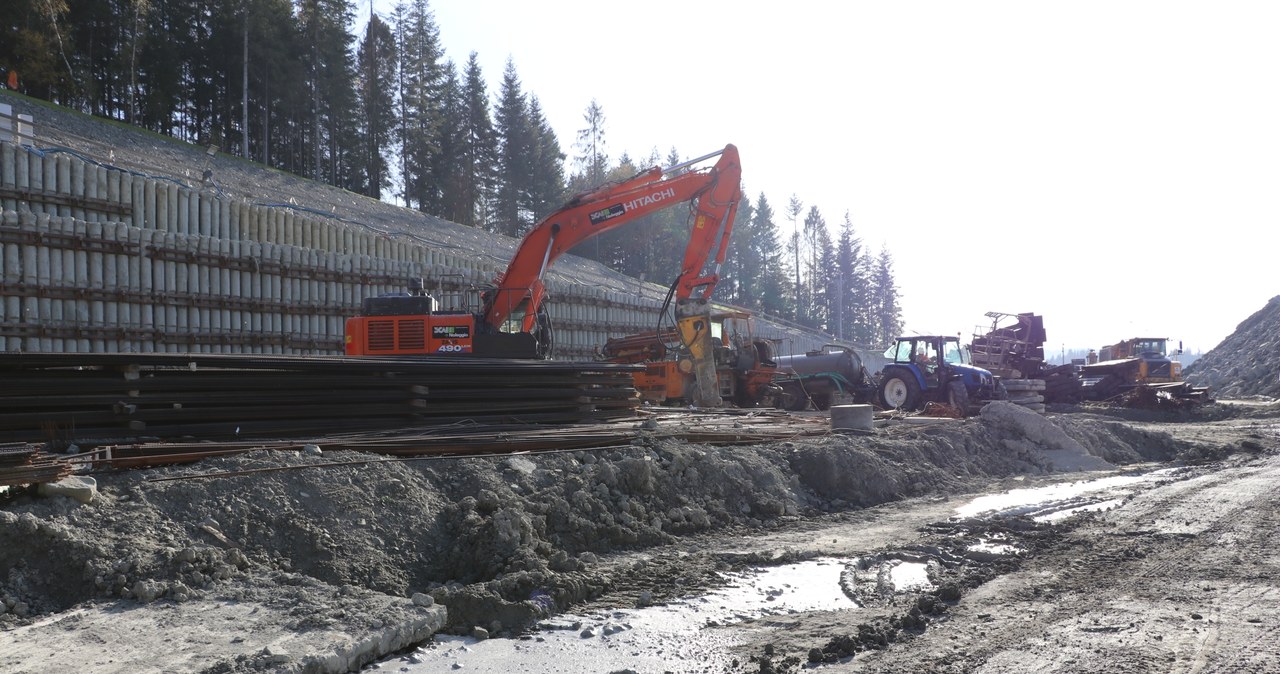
477	152
546	164
423	78
761	274
853	302
888	314
822	278
448	170
377	62
794	208
812	237
592	160
31	42
515	142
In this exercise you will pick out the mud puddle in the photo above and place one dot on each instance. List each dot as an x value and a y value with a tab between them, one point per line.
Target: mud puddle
686	635
1056	502
677	636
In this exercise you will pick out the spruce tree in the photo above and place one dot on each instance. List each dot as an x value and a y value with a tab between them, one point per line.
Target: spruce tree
762	273
888	314
592	160
823	273
515	142
794	208
376	96
478	150
546	164
813	233
853	302
31	43
737	278
422	82
668	235
448	170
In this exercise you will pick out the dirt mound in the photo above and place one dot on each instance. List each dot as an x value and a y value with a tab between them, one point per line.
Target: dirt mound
1246	363
500	541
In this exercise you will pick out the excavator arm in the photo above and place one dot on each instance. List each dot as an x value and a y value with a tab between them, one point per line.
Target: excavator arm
714	193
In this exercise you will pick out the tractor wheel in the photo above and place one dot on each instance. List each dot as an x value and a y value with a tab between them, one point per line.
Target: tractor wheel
958	397
821	401
899	391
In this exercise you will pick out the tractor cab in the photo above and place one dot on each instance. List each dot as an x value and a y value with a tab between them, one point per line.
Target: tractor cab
932	368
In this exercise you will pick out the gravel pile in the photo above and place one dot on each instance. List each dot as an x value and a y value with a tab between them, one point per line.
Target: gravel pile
1246	363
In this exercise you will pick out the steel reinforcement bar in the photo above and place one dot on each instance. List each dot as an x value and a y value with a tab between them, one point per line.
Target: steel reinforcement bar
92	399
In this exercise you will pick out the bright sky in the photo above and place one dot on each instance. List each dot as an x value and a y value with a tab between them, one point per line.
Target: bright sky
1111	165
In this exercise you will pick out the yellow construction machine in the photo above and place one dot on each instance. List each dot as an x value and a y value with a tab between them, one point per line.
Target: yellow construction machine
1135	362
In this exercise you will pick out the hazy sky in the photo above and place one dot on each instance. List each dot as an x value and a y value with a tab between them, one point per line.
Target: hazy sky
1113	166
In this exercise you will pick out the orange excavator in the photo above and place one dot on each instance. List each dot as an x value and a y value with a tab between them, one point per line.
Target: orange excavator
513	322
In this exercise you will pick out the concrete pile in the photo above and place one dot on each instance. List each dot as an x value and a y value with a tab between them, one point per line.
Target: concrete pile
1027	393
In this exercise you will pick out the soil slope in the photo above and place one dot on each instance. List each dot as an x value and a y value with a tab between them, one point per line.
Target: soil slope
1248	361
340	560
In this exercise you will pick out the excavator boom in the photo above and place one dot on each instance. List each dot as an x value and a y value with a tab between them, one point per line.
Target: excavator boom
715	193
508	325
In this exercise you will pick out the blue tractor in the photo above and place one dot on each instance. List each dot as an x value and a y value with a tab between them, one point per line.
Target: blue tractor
934	368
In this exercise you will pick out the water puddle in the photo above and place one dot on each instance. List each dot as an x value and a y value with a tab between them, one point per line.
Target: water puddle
1056	502
1098	506
881	576
678	636
683	635
910	576
991	548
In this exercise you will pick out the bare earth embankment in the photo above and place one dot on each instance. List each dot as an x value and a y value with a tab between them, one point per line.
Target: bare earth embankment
327	568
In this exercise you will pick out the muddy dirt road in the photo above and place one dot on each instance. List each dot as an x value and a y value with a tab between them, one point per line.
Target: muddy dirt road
1181	576
1151	569
887	552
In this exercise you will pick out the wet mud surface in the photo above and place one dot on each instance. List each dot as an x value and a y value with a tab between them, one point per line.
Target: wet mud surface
528	553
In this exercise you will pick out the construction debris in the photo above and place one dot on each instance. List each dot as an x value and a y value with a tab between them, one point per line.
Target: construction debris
22	463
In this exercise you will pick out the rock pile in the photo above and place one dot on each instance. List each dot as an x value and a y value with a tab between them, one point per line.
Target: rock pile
1247	362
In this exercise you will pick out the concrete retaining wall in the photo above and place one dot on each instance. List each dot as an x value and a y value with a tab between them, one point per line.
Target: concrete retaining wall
97	259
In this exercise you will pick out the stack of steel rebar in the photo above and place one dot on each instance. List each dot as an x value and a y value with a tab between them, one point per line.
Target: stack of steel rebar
96	398
710	427
21	463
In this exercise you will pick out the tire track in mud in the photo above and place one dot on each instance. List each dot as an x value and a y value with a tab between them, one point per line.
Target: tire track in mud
1240	511
1179	579
1244	619
1225	519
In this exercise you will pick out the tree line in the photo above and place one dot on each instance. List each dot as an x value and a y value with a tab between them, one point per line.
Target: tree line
383	112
